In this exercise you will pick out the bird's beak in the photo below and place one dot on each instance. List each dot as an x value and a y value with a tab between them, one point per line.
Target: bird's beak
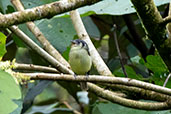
73	42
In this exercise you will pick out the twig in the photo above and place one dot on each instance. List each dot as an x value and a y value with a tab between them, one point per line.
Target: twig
31	67
82	34
40	51
102	79
118	50
68	106
130	103
167	79
41	38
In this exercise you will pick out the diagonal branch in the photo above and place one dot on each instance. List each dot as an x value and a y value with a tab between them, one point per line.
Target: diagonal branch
82	34
39	50
41	38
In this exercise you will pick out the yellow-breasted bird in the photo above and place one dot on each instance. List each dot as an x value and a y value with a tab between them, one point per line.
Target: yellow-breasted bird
80	59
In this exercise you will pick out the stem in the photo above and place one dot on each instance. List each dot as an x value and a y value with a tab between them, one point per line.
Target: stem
118	50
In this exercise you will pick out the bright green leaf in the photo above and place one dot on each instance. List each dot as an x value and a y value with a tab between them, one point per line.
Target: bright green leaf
9	94
156	64
2	44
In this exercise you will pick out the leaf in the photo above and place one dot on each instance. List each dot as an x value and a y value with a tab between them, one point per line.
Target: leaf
110	108
10	94
130	72
58	31
33	92
49	109
2	45
156	64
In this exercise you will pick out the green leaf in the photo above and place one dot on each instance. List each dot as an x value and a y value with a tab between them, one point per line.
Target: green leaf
59	31
10	94
2	44
111	108
156	64
130	72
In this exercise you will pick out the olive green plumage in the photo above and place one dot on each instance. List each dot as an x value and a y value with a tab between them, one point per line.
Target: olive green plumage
80	60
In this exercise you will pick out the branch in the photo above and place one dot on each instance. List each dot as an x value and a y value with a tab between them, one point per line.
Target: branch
98	78
156	32
40	37
130	103
44	11
118	51
82	34
68	106
135	92
31	67
40	51
166	20
167	79
169	25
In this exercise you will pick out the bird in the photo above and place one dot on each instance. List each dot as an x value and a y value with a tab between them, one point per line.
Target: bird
80	60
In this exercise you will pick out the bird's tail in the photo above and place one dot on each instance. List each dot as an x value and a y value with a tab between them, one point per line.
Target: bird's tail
83	86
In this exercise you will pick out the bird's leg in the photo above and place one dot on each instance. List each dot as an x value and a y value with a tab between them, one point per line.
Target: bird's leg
75	76
87	75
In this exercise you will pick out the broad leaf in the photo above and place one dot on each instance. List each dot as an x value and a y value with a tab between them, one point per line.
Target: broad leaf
10	94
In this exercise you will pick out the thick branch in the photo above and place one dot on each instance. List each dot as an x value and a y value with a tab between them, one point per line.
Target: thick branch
44	11
98	78
130	103
139	93
41	38
152	20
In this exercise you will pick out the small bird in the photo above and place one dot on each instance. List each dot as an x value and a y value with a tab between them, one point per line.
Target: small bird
80	60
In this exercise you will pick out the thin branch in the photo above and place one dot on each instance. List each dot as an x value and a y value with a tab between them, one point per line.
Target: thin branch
139	43
82	34
40	37
118	51
44	11
167	79
68	106
106	94
32	67
98	78
39	50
